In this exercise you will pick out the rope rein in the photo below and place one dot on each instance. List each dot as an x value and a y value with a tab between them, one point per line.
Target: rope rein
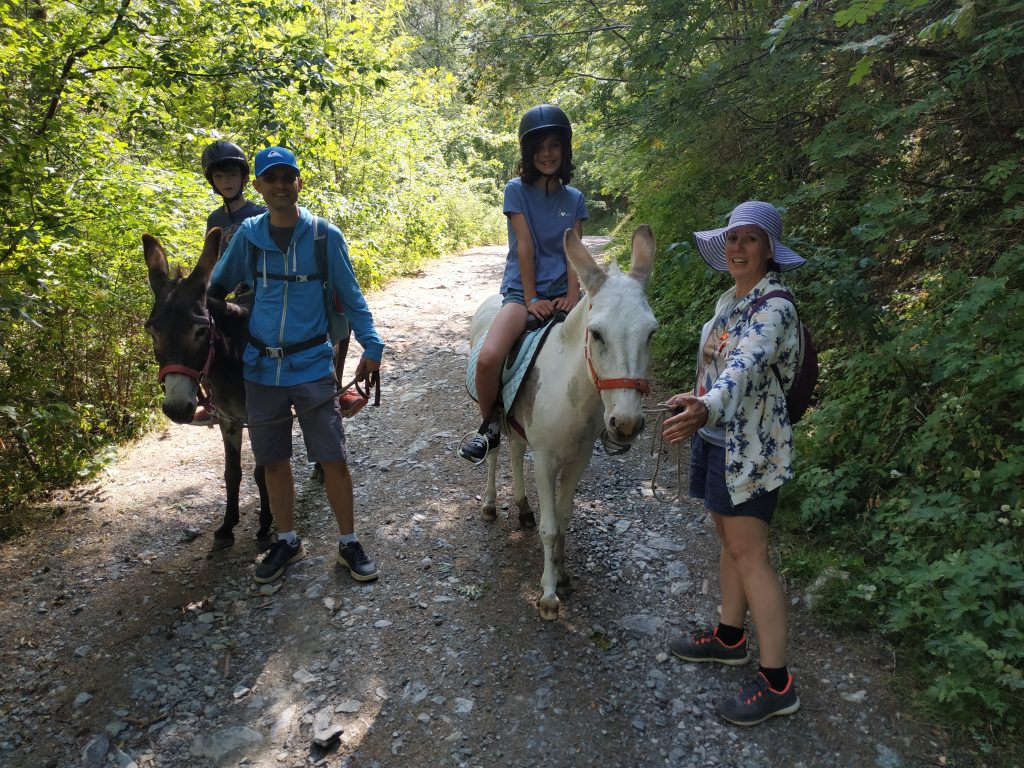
657	448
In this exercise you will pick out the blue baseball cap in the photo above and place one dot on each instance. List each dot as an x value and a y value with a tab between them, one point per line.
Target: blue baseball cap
271	156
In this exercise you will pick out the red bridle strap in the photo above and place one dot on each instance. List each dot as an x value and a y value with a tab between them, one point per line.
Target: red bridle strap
643	386
199	377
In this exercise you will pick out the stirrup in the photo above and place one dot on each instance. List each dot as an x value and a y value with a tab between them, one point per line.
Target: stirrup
465	439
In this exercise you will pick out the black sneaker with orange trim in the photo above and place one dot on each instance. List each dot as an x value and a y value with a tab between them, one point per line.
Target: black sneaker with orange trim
705	646
757	701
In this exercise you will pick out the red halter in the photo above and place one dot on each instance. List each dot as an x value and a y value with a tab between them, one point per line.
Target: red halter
199	377
643	386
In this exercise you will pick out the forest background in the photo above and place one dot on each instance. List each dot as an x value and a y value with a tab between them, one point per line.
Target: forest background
889	131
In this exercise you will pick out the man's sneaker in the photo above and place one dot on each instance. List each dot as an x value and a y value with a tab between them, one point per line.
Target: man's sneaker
706	646
757	701
477	447
203	417
280	556
360	567
351	402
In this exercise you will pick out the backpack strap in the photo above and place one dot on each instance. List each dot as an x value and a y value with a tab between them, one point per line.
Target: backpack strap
320	247
764	297
319	251
779	294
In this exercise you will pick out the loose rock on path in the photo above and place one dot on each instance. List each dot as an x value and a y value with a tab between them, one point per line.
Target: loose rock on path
126	641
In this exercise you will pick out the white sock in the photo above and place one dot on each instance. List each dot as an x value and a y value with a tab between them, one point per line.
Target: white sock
347	538
288	536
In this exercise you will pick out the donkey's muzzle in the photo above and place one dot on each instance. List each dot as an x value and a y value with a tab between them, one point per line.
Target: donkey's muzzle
179	413
625	429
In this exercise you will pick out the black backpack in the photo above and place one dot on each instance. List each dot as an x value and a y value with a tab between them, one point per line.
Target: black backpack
798	398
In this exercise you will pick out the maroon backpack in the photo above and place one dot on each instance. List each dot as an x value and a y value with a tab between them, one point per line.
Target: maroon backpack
800	391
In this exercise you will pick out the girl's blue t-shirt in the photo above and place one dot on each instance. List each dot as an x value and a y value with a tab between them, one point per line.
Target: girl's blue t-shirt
548	215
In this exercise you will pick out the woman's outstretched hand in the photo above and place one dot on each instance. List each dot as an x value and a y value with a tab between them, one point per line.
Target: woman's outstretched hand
693	416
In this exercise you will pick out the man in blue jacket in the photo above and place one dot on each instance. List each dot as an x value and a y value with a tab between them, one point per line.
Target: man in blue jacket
289	359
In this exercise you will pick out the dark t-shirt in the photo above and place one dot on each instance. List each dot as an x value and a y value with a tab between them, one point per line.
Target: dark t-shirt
230	221
282	236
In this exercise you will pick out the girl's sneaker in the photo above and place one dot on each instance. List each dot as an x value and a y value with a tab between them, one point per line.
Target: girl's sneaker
757	701
477	447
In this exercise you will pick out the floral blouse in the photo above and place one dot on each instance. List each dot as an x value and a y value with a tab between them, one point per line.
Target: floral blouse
747	398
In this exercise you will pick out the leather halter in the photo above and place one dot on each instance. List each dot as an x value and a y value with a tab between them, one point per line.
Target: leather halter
199	377
643	386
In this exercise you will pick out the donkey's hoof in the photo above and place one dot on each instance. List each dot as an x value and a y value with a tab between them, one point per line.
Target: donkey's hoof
264	541
526	519
489	512
548	607
223	539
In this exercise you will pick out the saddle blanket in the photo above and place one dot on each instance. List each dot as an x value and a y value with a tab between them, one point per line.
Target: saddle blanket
517	366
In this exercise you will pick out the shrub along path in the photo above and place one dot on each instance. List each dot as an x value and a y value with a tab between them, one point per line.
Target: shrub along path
126	641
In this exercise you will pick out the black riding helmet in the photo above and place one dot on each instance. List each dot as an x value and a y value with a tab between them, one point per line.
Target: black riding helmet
221	153
544	117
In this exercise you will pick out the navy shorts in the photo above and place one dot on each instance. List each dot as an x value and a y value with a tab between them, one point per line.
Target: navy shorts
707	482
270	428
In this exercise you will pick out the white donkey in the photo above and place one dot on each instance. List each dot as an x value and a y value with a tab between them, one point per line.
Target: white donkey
588	377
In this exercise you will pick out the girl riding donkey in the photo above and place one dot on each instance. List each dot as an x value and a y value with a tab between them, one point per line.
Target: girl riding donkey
540	206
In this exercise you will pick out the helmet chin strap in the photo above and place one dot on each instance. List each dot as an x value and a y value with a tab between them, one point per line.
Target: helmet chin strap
229	200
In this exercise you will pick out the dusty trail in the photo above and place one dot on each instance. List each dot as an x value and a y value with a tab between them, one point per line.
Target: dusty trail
126	641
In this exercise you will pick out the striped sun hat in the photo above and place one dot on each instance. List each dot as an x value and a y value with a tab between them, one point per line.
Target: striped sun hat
711	242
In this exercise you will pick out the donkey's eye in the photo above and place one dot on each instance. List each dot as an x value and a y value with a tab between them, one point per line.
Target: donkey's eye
597	336
201	332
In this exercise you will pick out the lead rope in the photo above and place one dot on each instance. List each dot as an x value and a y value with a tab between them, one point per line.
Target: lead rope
657	448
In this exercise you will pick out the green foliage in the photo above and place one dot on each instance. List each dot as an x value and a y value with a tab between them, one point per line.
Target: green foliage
889	131
106	109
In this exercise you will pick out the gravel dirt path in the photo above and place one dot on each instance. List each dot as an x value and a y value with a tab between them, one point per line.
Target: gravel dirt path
127	641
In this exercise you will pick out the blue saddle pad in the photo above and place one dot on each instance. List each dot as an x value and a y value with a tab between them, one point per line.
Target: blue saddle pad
514	370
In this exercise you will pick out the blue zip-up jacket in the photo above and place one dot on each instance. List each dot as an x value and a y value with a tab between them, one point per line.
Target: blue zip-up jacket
287	313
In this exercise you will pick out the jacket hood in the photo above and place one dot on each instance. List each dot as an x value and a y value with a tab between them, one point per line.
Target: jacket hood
258	229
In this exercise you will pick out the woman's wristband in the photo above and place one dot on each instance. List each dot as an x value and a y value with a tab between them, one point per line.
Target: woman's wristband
534	300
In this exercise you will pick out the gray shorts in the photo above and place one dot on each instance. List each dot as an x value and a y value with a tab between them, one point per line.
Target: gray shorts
317	409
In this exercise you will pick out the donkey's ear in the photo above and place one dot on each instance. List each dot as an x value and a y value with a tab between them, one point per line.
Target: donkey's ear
643	254
209	256
156	260
590	273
